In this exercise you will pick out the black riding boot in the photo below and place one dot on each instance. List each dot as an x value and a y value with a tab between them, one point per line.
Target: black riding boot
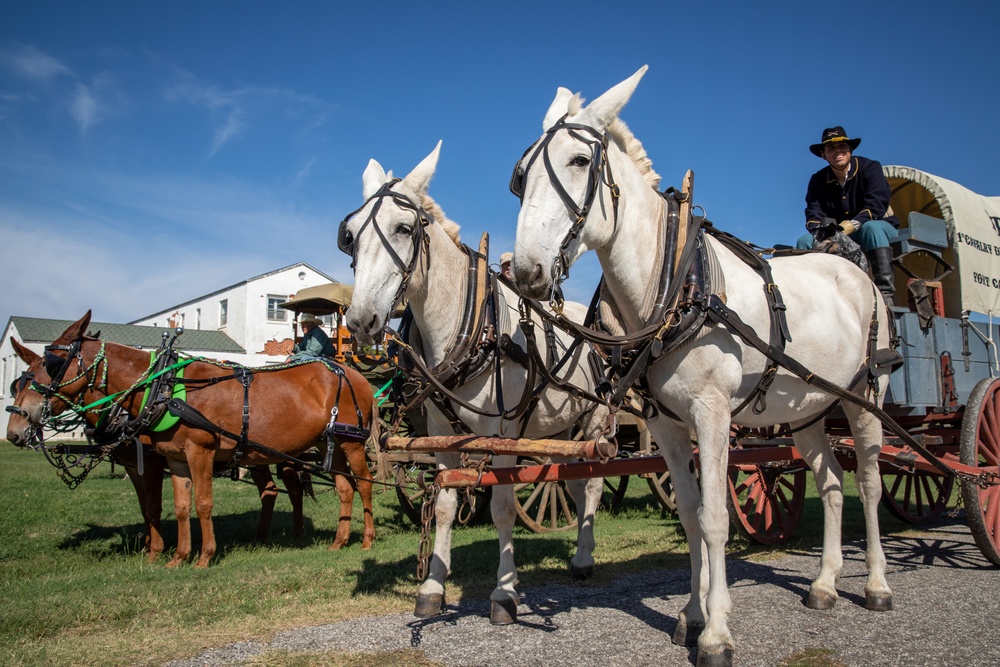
880	260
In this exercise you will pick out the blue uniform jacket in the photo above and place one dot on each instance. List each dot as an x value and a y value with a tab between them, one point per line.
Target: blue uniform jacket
864	197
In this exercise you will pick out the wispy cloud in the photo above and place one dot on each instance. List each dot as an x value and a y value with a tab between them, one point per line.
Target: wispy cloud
232	127
32	63
237	111
90	104
303	173
115	220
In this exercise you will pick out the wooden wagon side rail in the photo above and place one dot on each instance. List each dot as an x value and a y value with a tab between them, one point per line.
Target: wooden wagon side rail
892	456
584	449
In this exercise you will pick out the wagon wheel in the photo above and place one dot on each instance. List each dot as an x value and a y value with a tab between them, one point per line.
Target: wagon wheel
980	446
411	495
916	497
544	507
766	499
659	482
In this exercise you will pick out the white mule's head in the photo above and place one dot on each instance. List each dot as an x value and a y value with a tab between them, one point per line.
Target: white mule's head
385	237
566	206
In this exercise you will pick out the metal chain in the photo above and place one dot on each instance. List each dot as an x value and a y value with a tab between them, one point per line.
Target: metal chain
425	548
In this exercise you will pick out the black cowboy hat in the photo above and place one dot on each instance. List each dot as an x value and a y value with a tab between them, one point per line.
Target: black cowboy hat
832	134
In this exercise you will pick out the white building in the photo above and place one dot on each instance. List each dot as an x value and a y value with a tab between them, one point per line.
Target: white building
241	323
247	312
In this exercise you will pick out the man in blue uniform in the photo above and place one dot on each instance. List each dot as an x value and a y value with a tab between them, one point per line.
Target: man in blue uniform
852	193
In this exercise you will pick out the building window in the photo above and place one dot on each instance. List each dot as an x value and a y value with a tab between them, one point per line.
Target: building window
274	313
197	319
223	312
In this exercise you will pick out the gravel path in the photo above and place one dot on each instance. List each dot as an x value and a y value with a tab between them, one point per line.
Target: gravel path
947	607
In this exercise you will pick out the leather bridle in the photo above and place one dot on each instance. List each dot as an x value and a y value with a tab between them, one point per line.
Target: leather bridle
599	172
348	242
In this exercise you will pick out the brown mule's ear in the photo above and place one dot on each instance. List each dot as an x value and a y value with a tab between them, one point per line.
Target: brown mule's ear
26	355
75	330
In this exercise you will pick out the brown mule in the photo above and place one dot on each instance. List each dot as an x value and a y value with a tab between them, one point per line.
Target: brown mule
290	410
149	483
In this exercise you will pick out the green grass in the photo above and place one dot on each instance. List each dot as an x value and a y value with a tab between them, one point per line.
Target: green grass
76	589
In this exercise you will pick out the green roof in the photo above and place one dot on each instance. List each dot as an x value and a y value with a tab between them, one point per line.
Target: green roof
40	330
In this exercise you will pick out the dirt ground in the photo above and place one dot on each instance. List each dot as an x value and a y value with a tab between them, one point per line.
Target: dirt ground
947	606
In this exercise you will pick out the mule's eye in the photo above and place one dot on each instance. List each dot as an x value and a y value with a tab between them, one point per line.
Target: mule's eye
580	161
404	229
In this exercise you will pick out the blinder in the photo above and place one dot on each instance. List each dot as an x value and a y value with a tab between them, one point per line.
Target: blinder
56	366
18	385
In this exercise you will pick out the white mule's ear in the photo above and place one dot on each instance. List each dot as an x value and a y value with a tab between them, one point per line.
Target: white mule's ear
605	108
420	178
373	178
558	108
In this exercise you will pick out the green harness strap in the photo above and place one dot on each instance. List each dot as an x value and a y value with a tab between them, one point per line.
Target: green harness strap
168	420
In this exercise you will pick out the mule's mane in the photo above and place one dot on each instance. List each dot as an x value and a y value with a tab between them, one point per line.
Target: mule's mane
626	141
450	227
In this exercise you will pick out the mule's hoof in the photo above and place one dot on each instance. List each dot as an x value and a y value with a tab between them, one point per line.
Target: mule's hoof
581	573
821	601
429	605
878	601
723	659
503	612
686	634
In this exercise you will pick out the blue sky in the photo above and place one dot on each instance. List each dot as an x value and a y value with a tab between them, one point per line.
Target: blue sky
150	153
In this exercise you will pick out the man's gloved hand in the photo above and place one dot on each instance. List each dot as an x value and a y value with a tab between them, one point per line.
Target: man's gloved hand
849	226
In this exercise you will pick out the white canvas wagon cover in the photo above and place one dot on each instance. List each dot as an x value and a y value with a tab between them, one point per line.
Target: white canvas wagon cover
973	226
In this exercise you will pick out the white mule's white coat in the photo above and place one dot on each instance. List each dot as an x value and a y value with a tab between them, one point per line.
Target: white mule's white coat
830	304
436	295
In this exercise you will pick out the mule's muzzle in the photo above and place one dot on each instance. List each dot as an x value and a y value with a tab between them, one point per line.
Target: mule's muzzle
364	327
533	284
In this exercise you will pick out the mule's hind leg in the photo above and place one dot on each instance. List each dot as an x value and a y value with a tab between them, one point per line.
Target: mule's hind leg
815	449
290	475
430	594
867	431
357	464
268	490
201	461
587	496
504	598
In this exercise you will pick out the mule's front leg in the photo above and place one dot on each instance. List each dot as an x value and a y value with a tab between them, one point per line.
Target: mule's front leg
430	595
180	477
504	599
716	644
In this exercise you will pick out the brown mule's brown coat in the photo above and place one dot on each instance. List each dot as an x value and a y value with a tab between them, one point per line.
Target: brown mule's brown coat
289	411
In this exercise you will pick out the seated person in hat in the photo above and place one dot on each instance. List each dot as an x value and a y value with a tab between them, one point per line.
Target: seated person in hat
852	193
505	259
315	343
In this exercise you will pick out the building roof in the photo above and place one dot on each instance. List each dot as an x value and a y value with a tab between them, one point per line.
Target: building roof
234	285
41	330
